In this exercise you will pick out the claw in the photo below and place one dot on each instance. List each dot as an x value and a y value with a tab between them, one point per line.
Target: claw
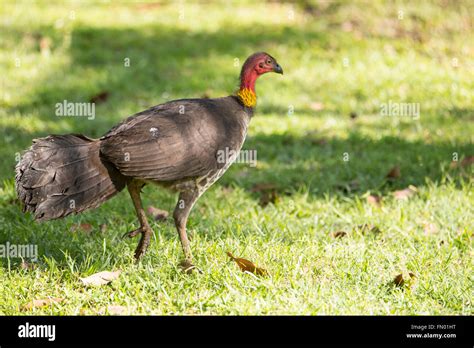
142	245
133	233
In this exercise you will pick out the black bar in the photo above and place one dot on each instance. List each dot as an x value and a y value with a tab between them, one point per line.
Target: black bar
207	330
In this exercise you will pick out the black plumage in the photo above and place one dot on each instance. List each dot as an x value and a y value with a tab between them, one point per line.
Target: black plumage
174	145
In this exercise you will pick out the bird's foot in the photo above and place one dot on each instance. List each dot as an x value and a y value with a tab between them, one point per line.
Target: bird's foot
188	268
142	248
144	240
143	244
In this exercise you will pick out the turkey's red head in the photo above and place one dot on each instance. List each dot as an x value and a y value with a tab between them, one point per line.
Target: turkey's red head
255	65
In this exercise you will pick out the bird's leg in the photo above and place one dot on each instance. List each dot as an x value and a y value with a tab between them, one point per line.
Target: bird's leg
181	212
144	229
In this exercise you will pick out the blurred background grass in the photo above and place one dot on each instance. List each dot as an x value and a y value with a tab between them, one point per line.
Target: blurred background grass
342	60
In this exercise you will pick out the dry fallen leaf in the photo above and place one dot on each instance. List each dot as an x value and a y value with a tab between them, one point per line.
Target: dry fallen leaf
467	161
103	228
374	200
41	303
45	45
405	193
401	281
157	214
316	106
82	227
100	278
114	309
149	6
268	197
339	234
247	266
430	228
263	187
227	189
369	228
27	266
268	193
319	141
100	97
394	173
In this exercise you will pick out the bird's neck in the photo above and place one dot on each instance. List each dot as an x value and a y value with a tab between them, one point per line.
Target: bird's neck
246	92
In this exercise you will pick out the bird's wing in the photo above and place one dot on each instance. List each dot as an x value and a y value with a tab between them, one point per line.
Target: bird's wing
172	141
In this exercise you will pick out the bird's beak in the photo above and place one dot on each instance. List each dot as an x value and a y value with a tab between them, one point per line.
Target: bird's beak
277	68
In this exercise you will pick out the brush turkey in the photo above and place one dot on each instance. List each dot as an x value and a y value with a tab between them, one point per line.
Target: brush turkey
174	145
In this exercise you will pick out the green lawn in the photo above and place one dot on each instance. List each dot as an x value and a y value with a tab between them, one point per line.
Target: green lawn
339	59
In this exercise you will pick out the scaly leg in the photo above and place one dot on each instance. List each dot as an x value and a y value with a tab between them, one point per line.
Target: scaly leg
144	229
181	212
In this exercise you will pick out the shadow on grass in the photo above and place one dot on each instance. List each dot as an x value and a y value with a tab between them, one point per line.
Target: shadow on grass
317	165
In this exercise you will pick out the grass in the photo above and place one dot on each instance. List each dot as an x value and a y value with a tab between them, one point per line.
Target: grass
349	58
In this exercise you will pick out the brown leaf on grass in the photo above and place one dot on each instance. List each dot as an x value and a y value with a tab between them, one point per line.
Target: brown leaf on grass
374	200
430	228
316	106
82	227
467	161
319	141
149	6
157	214
248	266
103	228
268	197
394	173
369	228
227	190
401	281
27	266
41	303
353	115
264	186
100	97
339	234
405	193
100	278
268	193
114	310
45	45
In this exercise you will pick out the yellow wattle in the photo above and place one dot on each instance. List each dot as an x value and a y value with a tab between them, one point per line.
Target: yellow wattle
248	97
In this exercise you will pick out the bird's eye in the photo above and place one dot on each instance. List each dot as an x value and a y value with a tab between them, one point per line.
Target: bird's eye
269	61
